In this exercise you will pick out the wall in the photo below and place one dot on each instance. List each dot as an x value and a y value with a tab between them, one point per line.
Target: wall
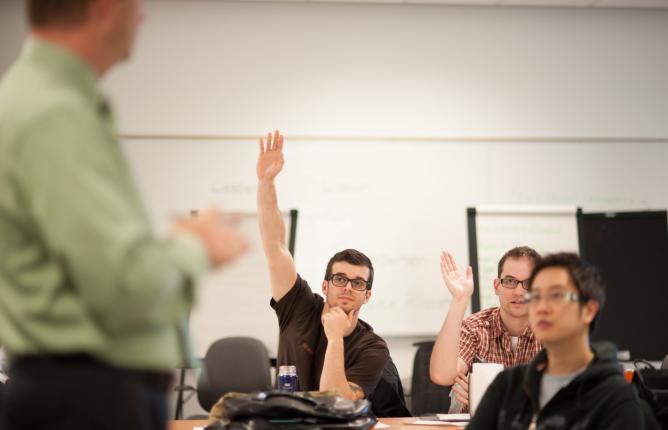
313	69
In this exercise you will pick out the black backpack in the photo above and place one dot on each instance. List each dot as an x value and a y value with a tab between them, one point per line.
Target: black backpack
273	410
652	386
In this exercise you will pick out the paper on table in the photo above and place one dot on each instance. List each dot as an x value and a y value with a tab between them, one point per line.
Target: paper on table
453	417
438	423
380	425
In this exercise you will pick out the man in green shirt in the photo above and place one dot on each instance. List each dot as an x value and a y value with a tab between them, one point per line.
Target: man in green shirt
92	305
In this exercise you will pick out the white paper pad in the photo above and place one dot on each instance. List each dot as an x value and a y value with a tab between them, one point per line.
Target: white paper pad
453	417
438	423
481	376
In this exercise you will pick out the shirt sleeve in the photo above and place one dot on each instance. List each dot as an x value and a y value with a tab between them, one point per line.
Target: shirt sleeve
468	343
81	198
297	305
626	413
368	369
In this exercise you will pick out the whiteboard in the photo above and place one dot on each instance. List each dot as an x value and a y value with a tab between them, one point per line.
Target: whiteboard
401	202
499	228
234	300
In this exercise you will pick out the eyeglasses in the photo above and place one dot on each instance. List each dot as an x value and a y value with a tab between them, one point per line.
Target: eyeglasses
512	283
341	281
552	297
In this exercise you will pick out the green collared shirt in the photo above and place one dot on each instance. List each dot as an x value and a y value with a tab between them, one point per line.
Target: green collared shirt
80	268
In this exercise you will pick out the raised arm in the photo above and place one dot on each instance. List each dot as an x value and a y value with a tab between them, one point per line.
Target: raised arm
445	363
282	271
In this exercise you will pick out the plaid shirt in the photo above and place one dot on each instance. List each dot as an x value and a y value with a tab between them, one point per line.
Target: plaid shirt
484	337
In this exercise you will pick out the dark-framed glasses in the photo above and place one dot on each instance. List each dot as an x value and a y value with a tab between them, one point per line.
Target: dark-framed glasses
551	297
341	281
512	283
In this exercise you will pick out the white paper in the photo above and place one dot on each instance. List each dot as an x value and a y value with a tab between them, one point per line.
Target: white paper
380	425
453	417
481	376
437	423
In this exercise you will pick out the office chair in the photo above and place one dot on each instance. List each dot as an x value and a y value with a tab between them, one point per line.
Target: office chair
238	364
427	398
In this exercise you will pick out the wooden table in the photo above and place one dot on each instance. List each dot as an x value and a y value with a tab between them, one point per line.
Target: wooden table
394	423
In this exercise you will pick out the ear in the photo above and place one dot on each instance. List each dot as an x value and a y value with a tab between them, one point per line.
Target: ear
101	15
100	9
496	286
324	287
589	311
367	296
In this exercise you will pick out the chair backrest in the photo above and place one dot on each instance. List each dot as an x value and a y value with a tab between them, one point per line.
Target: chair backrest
387	400
233	364
426	397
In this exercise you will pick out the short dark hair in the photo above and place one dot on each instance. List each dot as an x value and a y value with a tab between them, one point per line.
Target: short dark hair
518	252
64	12
586	278
353	257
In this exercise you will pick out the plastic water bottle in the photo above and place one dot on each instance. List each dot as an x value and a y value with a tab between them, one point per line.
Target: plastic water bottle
287	379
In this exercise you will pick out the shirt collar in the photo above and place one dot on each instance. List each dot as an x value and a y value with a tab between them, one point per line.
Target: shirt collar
67	67
497	329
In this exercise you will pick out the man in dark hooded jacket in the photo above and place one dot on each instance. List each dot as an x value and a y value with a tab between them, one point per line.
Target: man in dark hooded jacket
570	384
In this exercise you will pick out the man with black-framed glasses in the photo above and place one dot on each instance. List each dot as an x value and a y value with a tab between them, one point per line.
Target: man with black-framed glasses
332	348
571	383
494	335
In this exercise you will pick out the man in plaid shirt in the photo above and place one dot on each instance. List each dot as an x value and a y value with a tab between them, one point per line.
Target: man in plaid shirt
494	335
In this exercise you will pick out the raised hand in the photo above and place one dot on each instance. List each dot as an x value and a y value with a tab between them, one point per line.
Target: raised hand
270	162
460	285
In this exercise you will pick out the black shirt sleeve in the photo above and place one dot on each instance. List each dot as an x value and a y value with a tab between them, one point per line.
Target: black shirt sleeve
367	370
297	304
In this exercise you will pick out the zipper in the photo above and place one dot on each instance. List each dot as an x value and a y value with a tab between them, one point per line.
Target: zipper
534	421
536	410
